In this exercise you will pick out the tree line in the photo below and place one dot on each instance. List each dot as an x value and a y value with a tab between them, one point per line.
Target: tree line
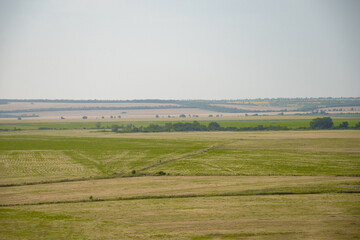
188	127
318	123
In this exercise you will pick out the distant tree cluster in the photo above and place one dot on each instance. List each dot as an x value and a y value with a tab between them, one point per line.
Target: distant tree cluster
188	127
322	123
327	123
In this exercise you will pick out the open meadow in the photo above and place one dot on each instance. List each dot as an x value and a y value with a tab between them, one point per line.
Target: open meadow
180	120
94	184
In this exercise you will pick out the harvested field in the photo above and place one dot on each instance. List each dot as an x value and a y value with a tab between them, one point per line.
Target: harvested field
256	107
351	109
43	105
129	113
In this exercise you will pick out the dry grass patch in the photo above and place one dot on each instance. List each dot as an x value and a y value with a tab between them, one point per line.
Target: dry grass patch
172	186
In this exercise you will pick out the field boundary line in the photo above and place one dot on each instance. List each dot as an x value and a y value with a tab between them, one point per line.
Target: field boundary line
94	178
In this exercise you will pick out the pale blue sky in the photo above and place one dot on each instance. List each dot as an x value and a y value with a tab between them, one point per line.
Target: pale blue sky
184	49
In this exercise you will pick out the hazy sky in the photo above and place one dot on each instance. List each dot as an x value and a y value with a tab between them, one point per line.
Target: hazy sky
183	49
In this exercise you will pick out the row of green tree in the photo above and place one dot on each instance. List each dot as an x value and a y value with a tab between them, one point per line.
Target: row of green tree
318	123
187	127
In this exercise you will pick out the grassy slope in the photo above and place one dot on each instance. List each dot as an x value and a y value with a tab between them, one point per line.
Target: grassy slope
215	207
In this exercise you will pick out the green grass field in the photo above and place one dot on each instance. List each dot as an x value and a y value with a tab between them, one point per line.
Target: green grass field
292	122
78	184
33	157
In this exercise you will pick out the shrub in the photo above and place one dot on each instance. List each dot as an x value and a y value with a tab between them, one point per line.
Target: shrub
161	173
344	125
115	128
214	126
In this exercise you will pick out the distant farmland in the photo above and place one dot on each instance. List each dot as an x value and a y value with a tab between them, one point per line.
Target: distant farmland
97	109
